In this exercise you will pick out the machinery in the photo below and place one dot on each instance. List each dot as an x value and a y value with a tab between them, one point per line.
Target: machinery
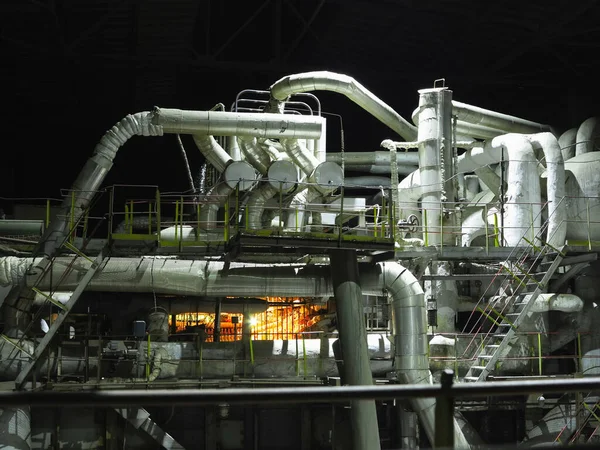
469	242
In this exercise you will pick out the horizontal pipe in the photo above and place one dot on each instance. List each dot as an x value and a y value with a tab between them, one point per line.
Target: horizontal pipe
492	119
224	123
373	158
299	394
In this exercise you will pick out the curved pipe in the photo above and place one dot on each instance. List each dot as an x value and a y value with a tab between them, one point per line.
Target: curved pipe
297	214
254	153
343	84
555	189
300	155
367	181
492	119
212	152
567	142
188	277
256	205
587	135
217	196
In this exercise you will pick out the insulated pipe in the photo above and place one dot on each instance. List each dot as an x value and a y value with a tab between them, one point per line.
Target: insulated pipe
212	152
217	196
555	189
188	277
411	361
380	169
373	158
477	131
254	153
367	181
233	149
492	119
223	123
343	84
588	134
567	142
297	214
435	157
301	156
353	339
255	206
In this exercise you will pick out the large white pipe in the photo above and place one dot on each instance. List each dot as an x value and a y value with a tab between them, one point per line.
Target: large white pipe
204	278
343	84
567	141
588	135
212	152
224	123
492	119
373	158
254	153
300	155
522	180
255	206
216	198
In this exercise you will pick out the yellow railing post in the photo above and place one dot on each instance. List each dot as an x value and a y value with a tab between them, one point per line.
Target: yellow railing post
375	219
47	212
496	231
158	219
181	216
539	336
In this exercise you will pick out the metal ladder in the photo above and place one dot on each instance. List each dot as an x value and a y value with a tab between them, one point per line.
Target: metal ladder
527	273
21	346
63	309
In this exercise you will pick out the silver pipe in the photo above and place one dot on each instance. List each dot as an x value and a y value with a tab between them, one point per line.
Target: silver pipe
381	169
343	84
367	181
17	227
189	277
254	153
508	124
477	131
256	205
224	123
567	142
212	152
217	196
233	149
301	156
378	157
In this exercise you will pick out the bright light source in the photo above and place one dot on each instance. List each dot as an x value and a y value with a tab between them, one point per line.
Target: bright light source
253	321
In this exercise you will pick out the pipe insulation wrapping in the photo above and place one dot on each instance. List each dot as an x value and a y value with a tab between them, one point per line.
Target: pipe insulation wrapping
212	152
300	155
93	173
348	86
224	123
255	154
588	136
256	205
492	119
377	157
217	196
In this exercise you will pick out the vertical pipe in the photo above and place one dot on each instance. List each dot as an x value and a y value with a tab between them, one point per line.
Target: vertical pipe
353	339
217	328
435	155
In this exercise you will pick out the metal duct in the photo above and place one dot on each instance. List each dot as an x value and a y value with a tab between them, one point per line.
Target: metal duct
555	189
343	84
255	206
567	141
378	157
367	181
21	227
380	169
477	131
301	156
492	119
15	428
254	153
217	196
411	361
212	152
188	277
297	216
223	123
587	135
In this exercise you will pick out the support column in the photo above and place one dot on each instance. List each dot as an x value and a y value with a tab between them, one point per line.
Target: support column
353	340
217	328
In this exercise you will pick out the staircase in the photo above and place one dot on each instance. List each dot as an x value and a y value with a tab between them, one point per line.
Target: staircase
23	350
532	271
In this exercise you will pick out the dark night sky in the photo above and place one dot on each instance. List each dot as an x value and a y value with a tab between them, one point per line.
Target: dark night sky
70	70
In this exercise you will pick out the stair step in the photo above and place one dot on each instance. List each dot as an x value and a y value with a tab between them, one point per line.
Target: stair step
478	368
471	378
485	356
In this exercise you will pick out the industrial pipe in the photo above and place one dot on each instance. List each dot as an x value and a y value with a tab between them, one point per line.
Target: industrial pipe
343	84
492	119
212	152
378	157
587	135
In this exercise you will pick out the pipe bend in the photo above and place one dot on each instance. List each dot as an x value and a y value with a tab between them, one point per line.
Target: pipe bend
343	84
